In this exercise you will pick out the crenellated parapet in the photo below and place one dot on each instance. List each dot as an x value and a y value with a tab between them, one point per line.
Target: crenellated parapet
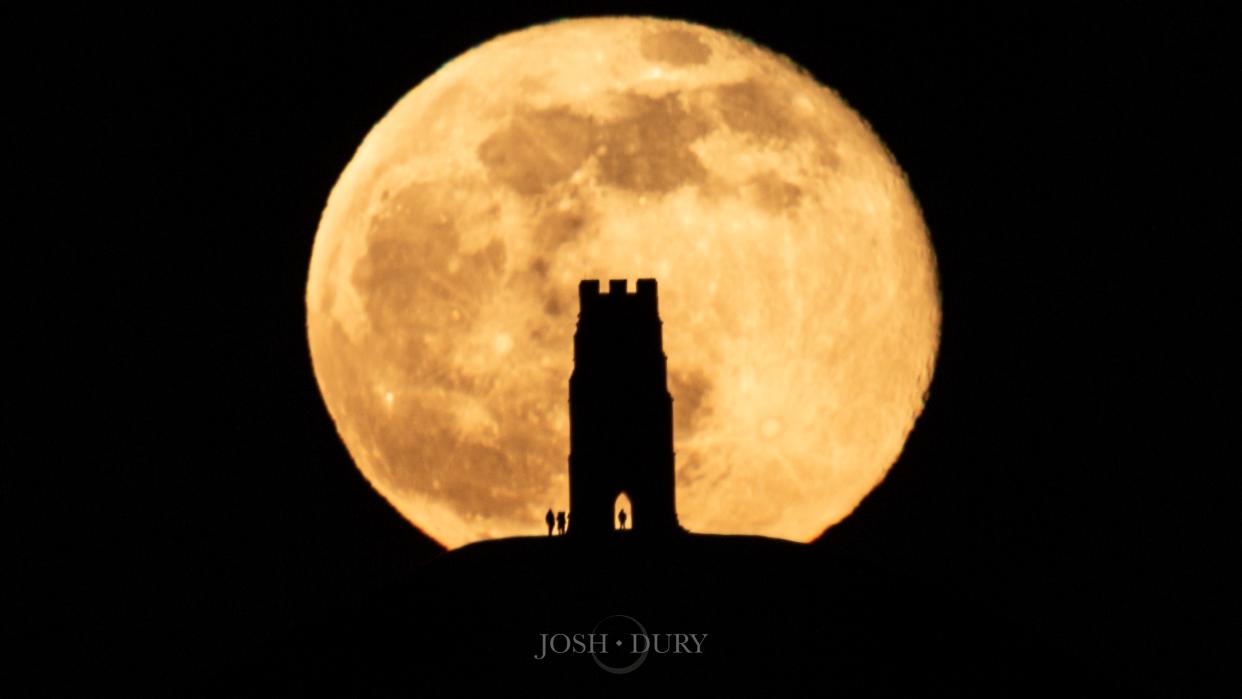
643	298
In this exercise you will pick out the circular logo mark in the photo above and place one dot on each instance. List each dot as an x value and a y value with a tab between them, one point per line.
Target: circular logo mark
641	656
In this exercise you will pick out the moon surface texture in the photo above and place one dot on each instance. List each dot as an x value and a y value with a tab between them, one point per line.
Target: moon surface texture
797	281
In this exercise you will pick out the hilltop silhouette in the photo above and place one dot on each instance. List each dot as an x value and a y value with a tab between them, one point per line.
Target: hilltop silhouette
776	617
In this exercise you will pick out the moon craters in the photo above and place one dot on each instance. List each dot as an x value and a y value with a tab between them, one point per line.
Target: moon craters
692	389
538	149
774	194
648	150
753	108
676	47
413	259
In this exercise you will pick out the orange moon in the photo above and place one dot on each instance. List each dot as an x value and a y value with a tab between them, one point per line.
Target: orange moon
797	281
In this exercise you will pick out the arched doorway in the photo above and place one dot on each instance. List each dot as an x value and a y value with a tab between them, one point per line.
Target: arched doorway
620	506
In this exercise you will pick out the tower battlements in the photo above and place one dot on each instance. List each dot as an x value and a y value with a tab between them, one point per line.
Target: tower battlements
591	298
619	327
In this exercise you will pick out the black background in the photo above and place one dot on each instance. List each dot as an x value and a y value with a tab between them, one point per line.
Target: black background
190	505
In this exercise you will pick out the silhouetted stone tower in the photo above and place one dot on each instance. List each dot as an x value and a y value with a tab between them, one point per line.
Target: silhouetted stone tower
620	412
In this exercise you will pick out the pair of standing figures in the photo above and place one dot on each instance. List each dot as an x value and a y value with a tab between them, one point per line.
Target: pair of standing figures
559	520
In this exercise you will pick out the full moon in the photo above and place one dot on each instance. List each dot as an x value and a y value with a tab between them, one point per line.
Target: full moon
797	281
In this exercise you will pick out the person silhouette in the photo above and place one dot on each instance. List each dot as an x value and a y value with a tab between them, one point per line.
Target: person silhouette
560	522
622	518
550	519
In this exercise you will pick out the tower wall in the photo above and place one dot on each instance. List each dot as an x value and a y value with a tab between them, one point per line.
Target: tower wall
621	413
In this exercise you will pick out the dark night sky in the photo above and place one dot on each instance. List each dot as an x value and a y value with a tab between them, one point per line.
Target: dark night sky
192	503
